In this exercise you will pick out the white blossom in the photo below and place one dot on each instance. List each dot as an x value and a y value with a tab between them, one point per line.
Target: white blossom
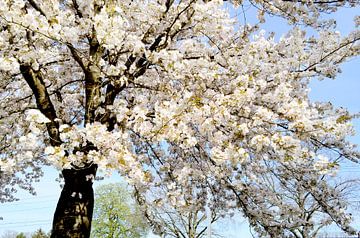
34	115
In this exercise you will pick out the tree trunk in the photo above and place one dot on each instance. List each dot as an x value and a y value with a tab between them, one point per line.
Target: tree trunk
74	210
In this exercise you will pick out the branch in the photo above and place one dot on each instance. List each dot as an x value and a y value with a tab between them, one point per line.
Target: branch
110	95
76	56
76	7
36	7
329	54
92	77
43	101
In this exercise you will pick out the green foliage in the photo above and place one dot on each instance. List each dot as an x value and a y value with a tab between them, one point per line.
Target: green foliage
40	234
116	214
21	235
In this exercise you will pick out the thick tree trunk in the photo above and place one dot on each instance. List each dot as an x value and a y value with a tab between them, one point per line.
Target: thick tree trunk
74	210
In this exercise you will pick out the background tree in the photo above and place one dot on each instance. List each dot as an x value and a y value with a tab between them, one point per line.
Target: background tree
10	234
161	89
182	215
116	214
40	234
305	215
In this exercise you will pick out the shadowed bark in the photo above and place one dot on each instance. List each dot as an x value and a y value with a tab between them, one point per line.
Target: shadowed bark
74	210
35	81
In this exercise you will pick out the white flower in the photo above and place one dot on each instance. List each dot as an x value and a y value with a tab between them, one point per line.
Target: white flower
34	115
28	155
324	166
63	127
9	64
49	150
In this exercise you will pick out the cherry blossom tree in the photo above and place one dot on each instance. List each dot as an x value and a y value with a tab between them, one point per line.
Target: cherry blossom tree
170	93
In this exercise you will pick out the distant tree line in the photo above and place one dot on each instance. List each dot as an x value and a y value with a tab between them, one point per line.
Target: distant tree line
37	234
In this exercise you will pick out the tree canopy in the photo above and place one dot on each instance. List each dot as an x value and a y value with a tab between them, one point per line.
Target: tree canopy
179	95
116	215
40	234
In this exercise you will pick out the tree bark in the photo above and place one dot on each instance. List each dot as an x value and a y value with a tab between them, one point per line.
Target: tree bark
74	210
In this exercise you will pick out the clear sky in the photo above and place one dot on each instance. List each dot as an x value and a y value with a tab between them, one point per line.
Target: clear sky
31	213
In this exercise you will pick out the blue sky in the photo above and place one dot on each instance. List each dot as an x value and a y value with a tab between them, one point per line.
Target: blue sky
31	213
